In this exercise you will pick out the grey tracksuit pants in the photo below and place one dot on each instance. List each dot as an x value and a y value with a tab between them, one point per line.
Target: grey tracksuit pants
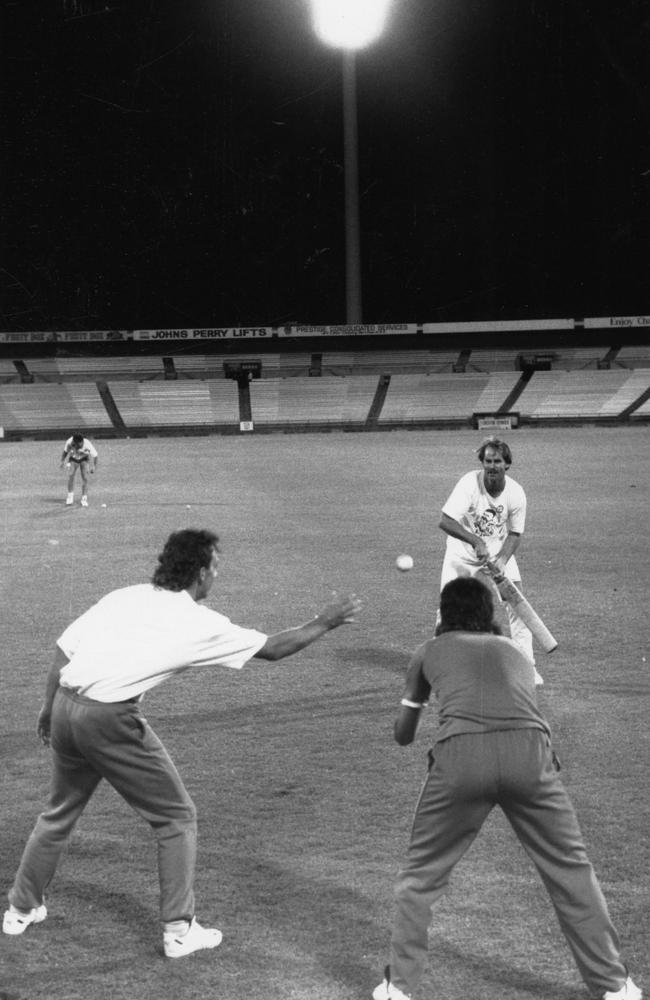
516	770
90	741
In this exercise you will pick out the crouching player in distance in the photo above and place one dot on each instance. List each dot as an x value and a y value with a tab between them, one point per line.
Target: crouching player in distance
79	453
130	641
492	748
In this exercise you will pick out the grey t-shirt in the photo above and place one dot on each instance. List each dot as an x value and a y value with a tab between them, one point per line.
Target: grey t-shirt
482	683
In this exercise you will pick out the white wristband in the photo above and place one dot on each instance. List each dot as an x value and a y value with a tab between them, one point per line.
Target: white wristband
412	704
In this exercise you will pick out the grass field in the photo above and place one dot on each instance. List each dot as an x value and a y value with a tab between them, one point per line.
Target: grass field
304	799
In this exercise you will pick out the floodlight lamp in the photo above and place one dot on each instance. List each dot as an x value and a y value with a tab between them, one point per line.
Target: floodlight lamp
349	24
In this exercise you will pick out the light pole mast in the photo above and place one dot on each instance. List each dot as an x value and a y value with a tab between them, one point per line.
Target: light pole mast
350	25
353	296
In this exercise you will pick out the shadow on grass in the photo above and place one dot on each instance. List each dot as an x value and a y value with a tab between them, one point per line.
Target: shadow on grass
57	507
60	506
280	715
290	932
333	927
305	920
624	689
496	972
93	931
385	658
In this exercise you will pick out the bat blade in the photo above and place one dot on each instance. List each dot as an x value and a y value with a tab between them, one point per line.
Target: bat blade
523	608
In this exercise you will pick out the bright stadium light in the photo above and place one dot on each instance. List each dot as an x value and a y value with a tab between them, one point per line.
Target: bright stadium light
349	24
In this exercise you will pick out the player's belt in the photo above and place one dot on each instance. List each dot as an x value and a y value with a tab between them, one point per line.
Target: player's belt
76	693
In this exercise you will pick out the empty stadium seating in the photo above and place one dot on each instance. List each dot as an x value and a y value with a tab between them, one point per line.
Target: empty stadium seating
583	393
364	362
630	389
61	407
8	371
211	365
492	361
49	396
324	400
176	404
642	412
421	398
634	356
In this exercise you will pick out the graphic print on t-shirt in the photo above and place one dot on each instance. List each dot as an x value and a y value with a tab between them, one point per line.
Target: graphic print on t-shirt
489	522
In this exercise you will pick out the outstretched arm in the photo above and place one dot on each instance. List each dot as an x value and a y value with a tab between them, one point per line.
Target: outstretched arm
291	640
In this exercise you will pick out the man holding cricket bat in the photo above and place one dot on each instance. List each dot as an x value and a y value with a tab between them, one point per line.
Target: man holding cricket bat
484	519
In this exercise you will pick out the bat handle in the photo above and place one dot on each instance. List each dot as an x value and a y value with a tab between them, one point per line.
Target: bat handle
497	574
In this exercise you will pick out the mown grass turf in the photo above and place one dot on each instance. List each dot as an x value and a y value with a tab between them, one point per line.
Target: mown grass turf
304	799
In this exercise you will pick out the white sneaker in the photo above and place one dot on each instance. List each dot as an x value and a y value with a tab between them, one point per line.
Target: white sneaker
69	500
630	991
194	939
15	922
386	990
539	680
84	501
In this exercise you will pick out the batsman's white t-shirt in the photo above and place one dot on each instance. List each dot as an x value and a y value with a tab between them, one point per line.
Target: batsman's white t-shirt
491	518
136	637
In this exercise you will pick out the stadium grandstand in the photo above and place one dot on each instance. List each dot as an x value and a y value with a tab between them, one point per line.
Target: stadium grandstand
301	378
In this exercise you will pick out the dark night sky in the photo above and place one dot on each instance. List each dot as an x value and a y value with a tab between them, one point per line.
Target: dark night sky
179	162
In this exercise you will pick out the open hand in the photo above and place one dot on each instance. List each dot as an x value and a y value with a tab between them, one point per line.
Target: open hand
341	611
43	726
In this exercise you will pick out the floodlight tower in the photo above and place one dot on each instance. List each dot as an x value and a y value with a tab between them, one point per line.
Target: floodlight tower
350	25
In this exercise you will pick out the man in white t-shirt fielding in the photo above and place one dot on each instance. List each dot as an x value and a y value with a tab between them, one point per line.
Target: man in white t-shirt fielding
79	453
130	641
484	518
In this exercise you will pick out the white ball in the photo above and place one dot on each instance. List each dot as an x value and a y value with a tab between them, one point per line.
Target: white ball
404	563
103	505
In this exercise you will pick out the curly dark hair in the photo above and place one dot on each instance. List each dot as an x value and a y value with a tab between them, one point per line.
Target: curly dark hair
184	554
466	605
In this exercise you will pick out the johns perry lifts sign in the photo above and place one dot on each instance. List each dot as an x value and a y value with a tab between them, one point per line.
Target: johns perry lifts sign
361	330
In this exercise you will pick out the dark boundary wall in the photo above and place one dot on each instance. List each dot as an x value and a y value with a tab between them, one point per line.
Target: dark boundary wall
537	340
320	427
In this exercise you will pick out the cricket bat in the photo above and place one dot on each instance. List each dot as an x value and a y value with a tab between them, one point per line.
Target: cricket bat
513	596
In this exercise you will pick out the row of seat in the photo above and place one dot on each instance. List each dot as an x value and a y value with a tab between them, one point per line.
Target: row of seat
398	399
55	369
